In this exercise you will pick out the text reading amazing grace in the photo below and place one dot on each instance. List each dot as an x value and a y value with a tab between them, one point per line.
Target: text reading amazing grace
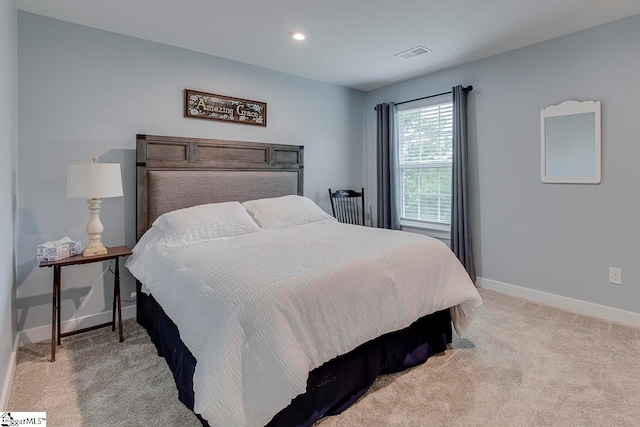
201	105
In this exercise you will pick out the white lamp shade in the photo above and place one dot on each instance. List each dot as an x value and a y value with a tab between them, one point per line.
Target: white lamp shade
94	180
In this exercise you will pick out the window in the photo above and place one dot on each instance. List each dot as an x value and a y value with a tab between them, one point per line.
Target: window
424	156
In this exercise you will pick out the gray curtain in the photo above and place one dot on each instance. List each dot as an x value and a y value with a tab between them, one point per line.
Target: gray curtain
387	164
460	229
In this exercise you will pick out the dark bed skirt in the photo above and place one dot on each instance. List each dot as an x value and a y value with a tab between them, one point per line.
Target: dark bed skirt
332	387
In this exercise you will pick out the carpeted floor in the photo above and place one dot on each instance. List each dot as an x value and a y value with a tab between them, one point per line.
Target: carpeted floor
521	364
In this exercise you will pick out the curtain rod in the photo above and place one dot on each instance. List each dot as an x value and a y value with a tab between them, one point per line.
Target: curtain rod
466	89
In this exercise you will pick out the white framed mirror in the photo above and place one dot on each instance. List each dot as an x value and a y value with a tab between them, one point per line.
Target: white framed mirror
571	143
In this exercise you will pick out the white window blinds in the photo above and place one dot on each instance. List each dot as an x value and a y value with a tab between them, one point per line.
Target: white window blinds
424	154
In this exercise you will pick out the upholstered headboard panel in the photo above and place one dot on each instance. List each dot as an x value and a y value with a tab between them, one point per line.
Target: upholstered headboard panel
171	190
175	173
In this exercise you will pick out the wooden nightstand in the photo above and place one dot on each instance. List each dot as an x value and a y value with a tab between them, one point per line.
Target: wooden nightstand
113	253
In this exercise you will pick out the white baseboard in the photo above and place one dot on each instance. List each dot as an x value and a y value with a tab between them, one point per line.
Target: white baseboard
8	379
43	333
564	303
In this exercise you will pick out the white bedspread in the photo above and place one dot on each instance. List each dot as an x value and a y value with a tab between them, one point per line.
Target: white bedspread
260	311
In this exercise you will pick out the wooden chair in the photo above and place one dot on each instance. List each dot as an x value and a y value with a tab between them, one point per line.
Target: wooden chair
348	206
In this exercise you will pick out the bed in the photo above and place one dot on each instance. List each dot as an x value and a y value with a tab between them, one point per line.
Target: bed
282	324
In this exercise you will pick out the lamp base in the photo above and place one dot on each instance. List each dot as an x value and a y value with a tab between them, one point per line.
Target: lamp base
94	230
89	252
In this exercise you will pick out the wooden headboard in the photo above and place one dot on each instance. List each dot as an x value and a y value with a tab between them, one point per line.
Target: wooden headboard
174	173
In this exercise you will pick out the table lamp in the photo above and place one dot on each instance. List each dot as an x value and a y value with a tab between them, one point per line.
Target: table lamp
94	181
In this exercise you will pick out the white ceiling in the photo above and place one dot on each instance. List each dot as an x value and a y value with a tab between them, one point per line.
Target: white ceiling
349	42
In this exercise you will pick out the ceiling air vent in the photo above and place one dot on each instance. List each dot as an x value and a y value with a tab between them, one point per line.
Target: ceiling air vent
413	52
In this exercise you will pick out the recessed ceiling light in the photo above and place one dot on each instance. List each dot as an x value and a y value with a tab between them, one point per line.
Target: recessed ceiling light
298	36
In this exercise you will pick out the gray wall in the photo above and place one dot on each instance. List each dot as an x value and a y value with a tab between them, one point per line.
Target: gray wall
8	143
556	238
86	92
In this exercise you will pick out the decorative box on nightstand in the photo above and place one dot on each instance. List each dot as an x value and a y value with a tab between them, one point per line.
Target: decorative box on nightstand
59	250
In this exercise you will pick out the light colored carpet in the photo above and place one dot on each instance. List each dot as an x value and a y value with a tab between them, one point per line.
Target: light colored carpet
521	364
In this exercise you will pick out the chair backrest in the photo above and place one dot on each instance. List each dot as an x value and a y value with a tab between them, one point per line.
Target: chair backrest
348	206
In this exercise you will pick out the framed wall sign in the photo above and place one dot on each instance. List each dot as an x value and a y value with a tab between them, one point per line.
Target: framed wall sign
202	105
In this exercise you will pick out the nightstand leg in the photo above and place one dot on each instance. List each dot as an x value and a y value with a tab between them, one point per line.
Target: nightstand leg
58	269
53	319
117	287
113	306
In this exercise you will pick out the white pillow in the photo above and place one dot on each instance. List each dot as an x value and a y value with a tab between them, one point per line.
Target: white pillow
286	211
203	223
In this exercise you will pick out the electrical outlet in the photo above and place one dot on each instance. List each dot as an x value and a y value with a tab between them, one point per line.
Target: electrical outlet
615	275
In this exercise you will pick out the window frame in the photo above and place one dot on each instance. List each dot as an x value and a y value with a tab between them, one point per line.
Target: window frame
434	229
